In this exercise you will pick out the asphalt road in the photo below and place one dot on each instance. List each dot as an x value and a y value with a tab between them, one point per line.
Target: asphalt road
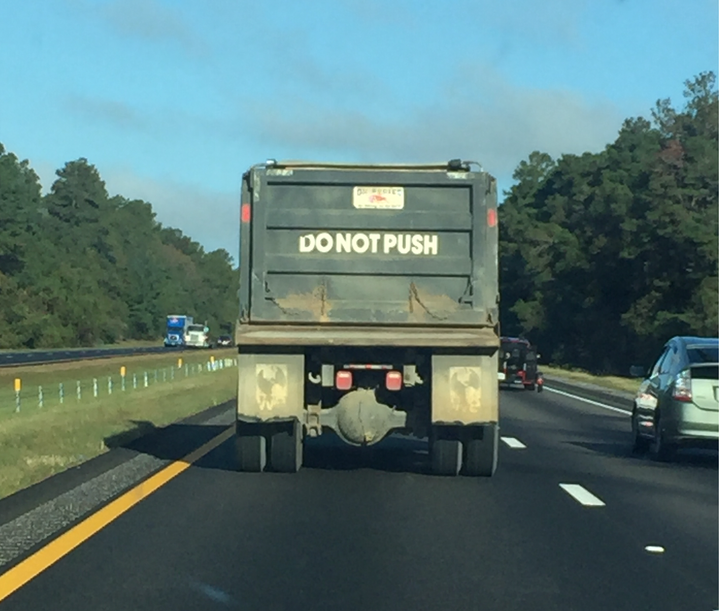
35	357
373	531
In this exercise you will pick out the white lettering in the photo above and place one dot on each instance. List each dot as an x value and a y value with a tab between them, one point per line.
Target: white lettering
431	244
389	241
417	244
374	238
361	243
360	237
342	242
307	243
324	242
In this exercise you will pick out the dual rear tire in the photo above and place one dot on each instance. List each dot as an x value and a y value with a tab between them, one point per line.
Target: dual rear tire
274	447
278	447
472	451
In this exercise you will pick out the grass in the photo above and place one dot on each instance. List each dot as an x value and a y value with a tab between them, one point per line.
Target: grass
49	376
611	382
37	443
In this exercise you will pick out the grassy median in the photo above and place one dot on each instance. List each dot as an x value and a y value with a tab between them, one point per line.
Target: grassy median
576	375
64	429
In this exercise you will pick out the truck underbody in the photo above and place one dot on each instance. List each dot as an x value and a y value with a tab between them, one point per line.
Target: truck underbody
300	382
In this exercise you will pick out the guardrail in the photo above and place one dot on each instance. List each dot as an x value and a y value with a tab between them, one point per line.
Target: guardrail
10	359
23	397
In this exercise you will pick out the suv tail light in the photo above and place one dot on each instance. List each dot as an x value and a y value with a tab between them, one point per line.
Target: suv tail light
682	390
393	380
343	380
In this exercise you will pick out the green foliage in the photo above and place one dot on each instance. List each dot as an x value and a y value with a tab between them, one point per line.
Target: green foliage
78	267
605	256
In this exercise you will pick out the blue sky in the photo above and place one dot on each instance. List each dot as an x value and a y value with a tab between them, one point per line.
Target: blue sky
173	99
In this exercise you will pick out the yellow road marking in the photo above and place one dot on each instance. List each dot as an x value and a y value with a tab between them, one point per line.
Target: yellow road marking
49	554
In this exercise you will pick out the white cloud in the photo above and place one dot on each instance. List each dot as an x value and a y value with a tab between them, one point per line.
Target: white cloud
480	116
114	112
148	20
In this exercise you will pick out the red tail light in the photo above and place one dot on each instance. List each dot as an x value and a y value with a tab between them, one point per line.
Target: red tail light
343	380
492	217
683	387
393	380
245	213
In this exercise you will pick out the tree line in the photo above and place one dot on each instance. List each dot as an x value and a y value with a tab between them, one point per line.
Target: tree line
604	256
79	267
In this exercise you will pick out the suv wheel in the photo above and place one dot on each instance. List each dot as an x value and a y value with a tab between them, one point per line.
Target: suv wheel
661	448
640	444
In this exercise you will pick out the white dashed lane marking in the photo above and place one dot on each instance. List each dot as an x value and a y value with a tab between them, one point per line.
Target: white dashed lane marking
511	442
589	401
582	496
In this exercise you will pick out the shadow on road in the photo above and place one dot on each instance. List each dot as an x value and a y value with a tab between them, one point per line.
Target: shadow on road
707	459
172	442
394	454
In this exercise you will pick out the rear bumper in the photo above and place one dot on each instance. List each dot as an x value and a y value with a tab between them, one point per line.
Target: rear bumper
398	336
686	423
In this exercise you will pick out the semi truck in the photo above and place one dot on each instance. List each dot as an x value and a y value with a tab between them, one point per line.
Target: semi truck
176	329
198	336
368	305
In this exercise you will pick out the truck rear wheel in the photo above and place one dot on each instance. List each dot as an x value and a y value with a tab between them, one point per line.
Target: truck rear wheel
481	455
445	455
251	448
286	447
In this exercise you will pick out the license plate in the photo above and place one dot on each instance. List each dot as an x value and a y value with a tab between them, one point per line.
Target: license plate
501	376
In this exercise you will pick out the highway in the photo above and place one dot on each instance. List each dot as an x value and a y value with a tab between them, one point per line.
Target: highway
36	357
572	520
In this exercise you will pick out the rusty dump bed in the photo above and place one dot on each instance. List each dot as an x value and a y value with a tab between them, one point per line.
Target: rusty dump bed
334	254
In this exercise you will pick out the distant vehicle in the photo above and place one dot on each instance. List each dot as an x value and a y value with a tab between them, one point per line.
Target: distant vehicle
517	365
224	340
676	405
176	329
198	336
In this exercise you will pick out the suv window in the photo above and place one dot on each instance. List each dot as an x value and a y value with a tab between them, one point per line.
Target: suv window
672	360
702	354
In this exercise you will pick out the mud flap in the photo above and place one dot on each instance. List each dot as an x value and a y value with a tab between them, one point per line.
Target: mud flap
270	387
464	389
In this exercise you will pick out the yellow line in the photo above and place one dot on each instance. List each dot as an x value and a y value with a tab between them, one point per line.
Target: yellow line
48	555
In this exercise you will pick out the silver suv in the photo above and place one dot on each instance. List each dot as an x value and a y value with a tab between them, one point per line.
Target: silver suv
677	402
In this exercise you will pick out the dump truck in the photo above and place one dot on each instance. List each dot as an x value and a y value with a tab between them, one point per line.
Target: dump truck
368	305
